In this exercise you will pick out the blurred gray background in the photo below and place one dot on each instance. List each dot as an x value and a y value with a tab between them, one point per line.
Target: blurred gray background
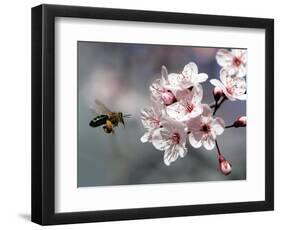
119	75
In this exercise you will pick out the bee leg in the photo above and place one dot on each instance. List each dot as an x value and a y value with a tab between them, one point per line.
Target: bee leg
109	124
106	130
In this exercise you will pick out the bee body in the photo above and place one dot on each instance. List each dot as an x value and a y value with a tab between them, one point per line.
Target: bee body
99	120
115	118
108	119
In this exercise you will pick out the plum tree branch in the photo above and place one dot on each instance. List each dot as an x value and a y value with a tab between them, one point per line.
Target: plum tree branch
218	105
219	152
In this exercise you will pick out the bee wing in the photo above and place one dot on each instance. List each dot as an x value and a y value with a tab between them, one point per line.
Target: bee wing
101	108
94	110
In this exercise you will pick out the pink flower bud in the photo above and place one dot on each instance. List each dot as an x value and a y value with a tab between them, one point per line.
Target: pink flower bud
168	97
217	92
240	122
225	166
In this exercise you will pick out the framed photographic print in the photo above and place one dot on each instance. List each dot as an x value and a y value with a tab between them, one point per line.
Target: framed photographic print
141	114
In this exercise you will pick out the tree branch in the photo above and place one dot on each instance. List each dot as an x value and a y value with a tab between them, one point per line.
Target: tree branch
218	105
219	152
229	126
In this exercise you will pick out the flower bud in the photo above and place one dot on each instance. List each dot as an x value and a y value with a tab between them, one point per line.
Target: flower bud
168	97
217	92
224	165
240	122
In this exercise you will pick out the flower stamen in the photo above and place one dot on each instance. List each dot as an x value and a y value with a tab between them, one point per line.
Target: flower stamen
175	138
189	107
155	120
237	61
230	90
205	128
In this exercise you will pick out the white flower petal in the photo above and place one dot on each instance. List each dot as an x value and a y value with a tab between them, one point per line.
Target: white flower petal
240	88
213	134
195	139
197	110
209	143
171	125
244	57
170	155
217	83
176	111
197	93
174	79
158	141
146	137
190	69
145	115
150	119
164	73
218	125
242	97
166	134
201	77
157	107
224	76
232	70
237	52
207	111
184	94
182	151
224	57
194	124
242	71
240	83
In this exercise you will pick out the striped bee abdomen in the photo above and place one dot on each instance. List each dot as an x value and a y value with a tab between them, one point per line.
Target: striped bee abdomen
98	121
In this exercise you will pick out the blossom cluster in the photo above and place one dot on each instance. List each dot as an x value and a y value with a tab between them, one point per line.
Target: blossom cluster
177	113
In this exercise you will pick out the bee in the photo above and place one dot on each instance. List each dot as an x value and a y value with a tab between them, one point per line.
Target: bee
107	118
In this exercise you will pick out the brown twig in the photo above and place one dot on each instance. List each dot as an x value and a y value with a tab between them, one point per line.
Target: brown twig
218	105
229	126
212	105
219	152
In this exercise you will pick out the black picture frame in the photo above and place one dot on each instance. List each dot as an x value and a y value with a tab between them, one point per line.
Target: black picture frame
43	114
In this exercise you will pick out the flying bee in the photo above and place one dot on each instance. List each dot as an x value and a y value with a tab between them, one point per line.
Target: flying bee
107	118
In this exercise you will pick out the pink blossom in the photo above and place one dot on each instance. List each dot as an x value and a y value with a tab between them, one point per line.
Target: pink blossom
161	90
188	105
224	165
151	118
233	87
218	93
233	61
204	129
241	122
177	110
170	138
168	97
188	77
